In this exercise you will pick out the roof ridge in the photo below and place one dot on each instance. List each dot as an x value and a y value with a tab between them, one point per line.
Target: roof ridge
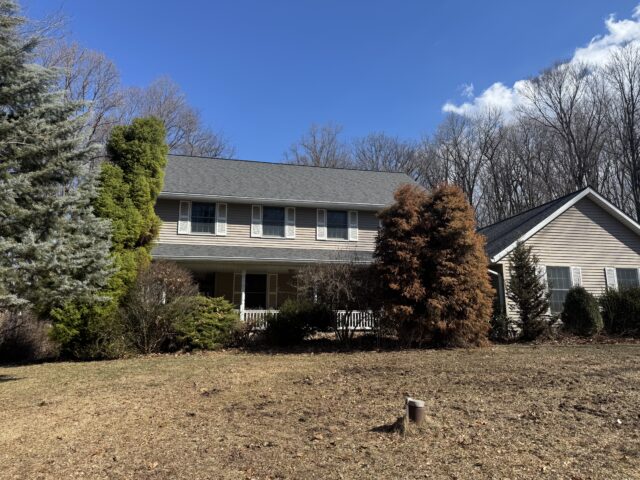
545	204
289	164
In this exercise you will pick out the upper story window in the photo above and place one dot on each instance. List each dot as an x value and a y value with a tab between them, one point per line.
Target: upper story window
273	221
559	281
203	217
627	277
338	224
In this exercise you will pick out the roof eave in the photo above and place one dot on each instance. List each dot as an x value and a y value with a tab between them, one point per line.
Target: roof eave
270	201
204	258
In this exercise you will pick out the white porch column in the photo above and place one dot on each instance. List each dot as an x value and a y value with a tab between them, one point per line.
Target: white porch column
242	293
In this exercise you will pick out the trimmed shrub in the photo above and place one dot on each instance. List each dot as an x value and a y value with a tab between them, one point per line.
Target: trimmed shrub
209	325
580	313
621	311
296	321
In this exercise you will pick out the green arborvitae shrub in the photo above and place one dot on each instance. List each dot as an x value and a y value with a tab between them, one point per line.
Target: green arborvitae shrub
621	311
295	321
580	313
209	325
129	184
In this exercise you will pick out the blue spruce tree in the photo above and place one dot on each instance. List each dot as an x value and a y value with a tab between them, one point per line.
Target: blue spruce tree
53	249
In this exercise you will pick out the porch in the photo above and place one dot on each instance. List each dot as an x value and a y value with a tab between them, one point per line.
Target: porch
360	320
259	291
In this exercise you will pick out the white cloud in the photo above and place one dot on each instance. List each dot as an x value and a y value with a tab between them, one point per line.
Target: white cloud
596	52
466	90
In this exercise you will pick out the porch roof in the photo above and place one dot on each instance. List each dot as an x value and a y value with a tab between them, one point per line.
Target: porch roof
225	253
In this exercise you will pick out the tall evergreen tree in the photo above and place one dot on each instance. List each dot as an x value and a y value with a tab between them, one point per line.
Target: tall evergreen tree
52	247
527	291
129	186
399	250
458	290
433	268
130	181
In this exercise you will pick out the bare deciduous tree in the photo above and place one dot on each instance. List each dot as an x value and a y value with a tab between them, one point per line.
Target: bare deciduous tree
186	134
341	286
622	77
381	152
571	101
321	146
163	294
91	78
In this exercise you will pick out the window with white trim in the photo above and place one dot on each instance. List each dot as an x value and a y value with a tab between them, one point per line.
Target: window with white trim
627	278
273	221
203	217
338	224
559	281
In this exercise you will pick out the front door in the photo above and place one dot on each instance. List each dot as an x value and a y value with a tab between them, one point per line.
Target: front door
255	287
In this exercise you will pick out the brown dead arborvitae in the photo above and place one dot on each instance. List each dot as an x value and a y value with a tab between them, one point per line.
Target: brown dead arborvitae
456	278
399	252
433	268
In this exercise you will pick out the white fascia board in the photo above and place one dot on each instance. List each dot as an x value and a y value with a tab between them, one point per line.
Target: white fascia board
256	260
588	192
271	201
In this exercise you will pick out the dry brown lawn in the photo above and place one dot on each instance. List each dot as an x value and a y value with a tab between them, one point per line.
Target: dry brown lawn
500	412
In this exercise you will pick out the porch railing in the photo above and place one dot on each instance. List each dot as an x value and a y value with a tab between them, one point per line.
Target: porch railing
358	320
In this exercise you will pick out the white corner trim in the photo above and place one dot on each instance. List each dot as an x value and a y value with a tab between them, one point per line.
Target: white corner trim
588	192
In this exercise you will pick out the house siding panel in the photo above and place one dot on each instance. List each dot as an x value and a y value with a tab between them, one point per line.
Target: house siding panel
239	224
585	236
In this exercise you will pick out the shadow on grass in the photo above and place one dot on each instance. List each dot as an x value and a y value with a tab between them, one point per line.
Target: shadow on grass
395	427
8	378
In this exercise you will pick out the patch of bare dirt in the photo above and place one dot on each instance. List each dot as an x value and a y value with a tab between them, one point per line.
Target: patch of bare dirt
501	412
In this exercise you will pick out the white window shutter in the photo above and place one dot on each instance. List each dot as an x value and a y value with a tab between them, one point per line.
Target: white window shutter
184	218
221	219
290	222
353	225
576	276
256	220
610	277
272	291
542	275
321	224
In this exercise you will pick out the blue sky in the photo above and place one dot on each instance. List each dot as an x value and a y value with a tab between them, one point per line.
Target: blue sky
263	71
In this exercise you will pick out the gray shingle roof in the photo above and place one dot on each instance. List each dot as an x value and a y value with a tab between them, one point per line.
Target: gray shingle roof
256	254
277	181
502	234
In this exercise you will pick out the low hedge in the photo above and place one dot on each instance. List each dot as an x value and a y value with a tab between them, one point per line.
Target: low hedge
581	313
621	311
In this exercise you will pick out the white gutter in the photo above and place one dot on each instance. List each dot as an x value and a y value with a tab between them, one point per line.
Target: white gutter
254	260
270	201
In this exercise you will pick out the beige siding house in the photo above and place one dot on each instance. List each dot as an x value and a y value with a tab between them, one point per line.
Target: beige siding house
244	228
579	239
